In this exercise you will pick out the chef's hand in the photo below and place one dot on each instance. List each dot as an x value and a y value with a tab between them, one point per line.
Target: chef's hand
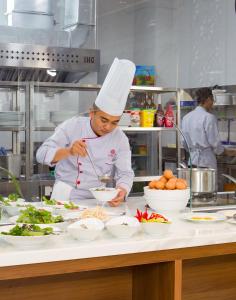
78	148
119	198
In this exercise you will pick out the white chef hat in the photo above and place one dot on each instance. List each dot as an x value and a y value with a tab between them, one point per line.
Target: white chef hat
115	89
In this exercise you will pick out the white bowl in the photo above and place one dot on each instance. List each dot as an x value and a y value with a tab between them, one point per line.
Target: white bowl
13	209
156	229
123	227
104	195
87	229
167	200
28	242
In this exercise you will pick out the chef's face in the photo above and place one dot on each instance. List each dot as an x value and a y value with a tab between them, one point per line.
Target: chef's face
102	123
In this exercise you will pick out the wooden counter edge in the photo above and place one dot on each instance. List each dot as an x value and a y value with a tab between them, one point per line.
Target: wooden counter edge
115	261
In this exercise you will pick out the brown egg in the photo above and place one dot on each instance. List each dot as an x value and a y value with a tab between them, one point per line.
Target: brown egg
159	185
163	179
152	184
183	180
168	174
180	185
170	185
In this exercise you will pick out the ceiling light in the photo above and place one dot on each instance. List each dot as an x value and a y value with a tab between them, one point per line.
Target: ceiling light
52	72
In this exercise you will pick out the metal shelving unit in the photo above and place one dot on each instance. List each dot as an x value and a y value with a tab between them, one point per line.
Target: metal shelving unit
30	127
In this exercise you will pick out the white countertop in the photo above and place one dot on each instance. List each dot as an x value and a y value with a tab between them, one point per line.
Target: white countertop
182	234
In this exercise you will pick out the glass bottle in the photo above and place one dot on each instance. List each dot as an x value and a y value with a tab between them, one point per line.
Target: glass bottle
169	116
159	116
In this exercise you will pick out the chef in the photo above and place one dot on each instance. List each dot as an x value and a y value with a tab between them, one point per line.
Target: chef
99	135
201	131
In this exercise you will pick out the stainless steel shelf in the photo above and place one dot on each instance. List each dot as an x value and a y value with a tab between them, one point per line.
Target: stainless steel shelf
153	89
126	128
12	128
44	128
96	87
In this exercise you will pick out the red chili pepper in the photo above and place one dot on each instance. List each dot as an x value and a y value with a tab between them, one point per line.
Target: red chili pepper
139	215
145	215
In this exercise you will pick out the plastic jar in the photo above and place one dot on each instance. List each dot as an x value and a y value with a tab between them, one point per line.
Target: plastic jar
147	117
135	118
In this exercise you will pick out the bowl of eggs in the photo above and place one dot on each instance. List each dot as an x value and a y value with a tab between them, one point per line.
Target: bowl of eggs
167	193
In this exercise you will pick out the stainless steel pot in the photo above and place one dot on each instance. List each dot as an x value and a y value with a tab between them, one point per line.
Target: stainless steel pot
234	99
223	99
203	179
11	162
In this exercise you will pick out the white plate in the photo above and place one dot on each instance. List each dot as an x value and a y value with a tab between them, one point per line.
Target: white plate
228	212
28	241
202	217
232	221
13	209
61	225
61	206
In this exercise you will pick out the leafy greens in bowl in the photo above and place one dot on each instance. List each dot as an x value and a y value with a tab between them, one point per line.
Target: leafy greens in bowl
28	235
28	230
60	204
32	215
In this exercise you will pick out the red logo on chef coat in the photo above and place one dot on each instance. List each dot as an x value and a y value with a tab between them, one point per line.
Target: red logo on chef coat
112	153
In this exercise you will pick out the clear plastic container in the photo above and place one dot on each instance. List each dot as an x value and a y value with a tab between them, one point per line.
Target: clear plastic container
135	118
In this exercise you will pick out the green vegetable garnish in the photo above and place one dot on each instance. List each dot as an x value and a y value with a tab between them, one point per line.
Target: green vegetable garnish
28	230
32	215
70	205
13	197
49	201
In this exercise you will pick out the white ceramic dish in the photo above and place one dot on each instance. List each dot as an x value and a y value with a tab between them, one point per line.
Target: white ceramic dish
123	227
28	241
18	201
59	209
156	229
228	213
202	217
86	229
166	200
13	209
231	221
104	195
61	225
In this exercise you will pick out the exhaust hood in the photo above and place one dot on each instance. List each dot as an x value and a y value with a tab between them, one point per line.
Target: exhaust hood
21	62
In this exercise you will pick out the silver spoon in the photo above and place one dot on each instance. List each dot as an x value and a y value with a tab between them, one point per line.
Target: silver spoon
103	178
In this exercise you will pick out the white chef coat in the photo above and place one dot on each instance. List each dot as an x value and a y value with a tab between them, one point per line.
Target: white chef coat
110	153
201	131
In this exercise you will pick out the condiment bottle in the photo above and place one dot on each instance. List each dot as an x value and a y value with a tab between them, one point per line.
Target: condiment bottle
159	117
169	116
150	102
135	118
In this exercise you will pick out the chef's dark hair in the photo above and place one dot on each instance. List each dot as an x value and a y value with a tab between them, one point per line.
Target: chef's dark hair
203	94
95	108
